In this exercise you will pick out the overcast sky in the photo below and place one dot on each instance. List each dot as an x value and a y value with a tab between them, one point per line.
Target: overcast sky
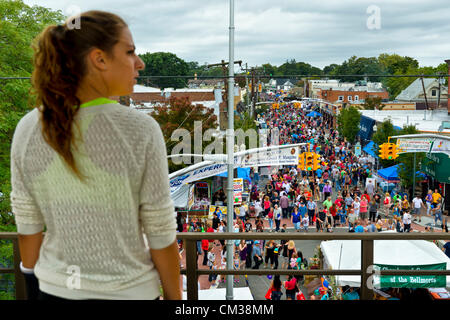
273	31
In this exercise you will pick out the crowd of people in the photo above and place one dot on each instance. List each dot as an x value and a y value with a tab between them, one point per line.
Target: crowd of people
341	193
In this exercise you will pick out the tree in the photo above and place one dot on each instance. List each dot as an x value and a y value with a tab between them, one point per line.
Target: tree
372	103
181	114
384	131
164	64
357	66
19	25
348	123
392	63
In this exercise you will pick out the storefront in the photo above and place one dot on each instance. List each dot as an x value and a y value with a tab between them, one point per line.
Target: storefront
437	167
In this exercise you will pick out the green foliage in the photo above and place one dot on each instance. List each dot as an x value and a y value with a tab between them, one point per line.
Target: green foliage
181	114
356	66
372	103
384	131
19	25
164	64
348	123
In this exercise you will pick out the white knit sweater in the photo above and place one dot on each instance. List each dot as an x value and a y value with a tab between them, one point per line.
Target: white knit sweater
97	226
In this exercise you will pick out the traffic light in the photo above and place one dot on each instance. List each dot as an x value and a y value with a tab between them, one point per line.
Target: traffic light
388	151
391	151
301	161
316	161
250	87
309	159
260	87
382	151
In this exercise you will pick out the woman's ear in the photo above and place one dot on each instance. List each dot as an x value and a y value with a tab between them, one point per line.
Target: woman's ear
98	59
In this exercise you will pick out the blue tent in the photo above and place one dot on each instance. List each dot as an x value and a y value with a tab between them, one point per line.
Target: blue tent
243	173
389	174
314	114
371	148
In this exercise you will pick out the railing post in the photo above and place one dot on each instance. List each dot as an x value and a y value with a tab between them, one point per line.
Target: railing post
366	262
191	270
21	293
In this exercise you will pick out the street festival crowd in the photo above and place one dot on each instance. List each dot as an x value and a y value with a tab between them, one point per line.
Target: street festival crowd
338	194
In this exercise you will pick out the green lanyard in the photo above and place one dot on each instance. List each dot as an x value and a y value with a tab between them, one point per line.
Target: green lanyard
96	102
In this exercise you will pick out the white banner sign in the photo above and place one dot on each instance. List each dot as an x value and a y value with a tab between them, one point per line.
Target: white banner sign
414	145
287	156
195	175
279	157
441	146
433	145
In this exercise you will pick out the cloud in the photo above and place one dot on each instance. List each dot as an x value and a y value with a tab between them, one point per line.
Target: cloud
316	32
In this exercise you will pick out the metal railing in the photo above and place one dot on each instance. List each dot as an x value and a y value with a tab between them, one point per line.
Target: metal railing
18	276
192	271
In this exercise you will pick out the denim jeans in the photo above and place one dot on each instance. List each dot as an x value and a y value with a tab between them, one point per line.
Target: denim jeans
437	216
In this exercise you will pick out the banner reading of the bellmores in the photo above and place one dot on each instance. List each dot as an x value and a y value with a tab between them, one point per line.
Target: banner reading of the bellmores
413	281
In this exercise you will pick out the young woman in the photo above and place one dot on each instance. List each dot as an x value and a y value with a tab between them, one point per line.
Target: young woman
363	210
92	171
387	203
276	288
242	253
270	246
266	206
270	217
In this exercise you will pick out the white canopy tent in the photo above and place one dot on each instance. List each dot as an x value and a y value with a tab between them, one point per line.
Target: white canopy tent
346	254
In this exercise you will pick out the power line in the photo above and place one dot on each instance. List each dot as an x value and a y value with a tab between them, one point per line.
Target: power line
278	76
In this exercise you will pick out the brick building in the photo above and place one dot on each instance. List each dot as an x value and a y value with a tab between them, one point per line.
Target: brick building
350	96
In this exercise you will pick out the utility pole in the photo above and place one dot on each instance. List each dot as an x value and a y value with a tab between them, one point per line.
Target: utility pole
425	93
246	89
230	155
223	119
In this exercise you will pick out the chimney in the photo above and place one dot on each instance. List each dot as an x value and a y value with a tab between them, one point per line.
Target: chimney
448	92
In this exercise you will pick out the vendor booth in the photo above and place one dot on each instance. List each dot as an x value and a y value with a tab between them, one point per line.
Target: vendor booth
388	255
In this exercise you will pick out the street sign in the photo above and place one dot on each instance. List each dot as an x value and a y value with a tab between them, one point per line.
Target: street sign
358	149
437	165
238	188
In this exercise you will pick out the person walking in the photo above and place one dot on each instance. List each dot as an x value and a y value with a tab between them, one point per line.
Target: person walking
284	204
256	255
312	210
270	218
417	204
429	201
92	171
406	221
269	256
296	219
387	204
363	210
277	218
373	209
